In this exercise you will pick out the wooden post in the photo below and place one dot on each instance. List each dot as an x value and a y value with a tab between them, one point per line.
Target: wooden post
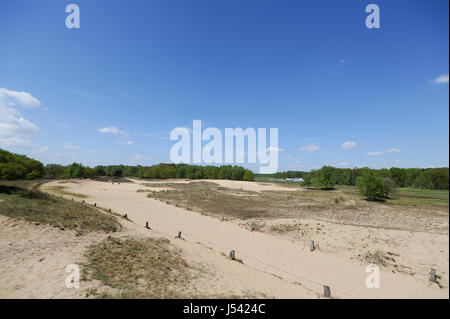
221	219
232	255
146	225
95	204
433	275
179	235
311	245
252	226
326	291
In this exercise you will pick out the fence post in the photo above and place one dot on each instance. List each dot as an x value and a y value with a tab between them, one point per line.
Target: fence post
179	235
433	275
311	245
232	255
146	225
326	291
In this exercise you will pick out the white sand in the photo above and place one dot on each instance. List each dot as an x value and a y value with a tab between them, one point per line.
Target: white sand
296	272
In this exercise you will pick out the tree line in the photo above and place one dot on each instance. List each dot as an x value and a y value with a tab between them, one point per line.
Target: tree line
328	176
15	166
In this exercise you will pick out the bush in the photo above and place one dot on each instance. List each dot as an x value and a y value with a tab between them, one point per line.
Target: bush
374	187
249	176
325	178
34	175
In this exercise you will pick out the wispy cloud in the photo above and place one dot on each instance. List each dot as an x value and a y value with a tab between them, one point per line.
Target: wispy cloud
384	152
125	142
160	136
310	148
343	164
14	129
111	130
90	95
342	61
70	146
13	98
441	79
349	145
274	149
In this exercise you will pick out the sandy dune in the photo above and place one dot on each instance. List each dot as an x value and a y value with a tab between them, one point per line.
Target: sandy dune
246	186
273	266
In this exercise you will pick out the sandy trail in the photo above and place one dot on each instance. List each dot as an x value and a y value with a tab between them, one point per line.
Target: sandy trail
260	252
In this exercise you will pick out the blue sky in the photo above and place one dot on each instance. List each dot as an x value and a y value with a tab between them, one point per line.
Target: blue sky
111	91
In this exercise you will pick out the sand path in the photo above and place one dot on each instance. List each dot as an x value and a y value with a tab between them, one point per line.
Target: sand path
260	252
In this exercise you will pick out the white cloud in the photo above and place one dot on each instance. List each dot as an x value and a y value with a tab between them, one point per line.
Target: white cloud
14	129
41	149
12	124
384	152
70	146
342	61
274	149
349	145
111	130
13	98
310	148
125	142
441	79
15	141
343	164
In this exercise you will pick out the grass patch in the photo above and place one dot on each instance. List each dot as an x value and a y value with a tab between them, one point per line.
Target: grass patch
35	206
138	268
61	190
343	205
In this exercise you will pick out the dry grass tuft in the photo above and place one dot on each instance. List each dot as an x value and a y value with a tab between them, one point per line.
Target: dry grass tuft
138	268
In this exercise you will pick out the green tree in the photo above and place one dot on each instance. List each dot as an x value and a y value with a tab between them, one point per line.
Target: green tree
75	170
325	178
371	186
248	175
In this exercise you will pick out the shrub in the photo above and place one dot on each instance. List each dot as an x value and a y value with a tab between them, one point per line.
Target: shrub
325	178
374	187
248	175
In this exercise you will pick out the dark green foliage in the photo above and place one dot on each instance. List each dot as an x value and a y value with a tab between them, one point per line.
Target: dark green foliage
375	187
54	171
424	178
15	166
325	178
75	170
248	176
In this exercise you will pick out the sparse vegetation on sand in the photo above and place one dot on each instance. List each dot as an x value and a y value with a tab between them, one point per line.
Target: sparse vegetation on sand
35	206
344	205
138	268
